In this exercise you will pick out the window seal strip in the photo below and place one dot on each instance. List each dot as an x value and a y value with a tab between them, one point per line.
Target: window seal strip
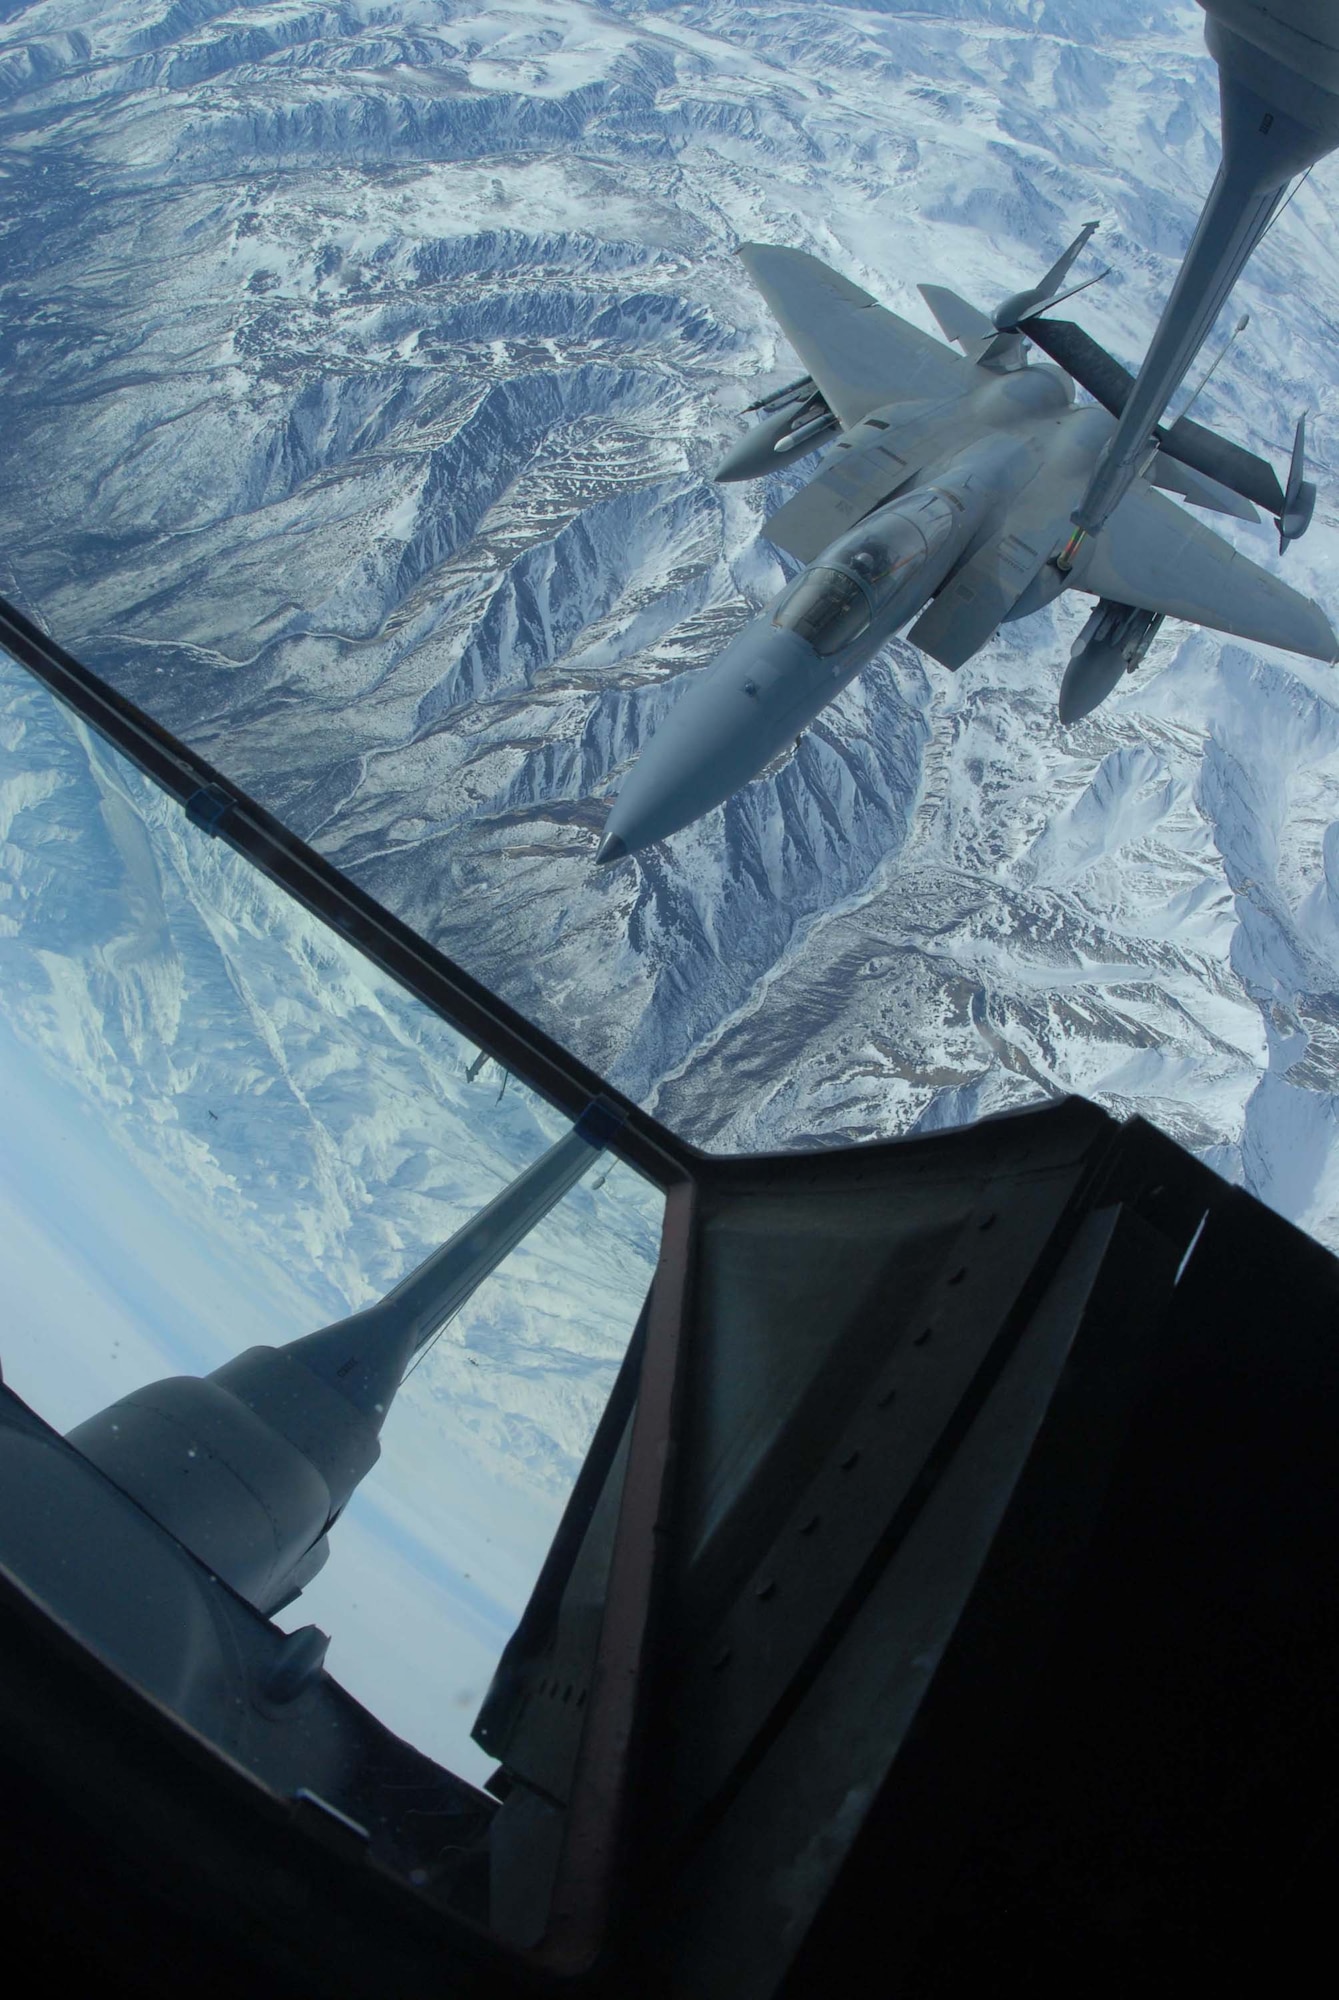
216	804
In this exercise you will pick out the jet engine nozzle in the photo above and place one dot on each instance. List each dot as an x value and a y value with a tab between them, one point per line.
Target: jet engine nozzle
1113	642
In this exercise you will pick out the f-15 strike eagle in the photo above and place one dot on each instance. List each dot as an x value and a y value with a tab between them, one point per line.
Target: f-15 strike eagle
946	497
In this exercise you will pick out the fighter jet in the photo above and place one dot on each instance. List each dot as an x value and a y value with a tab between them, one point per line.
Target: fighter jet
944	503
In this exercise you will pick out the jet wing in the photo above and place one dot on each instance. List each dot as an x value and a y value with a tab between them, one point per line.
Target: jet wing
1152	554
860	355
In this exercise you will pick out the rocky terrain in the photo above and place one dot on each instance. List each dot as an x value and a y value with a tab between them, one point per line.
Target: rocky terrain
362	368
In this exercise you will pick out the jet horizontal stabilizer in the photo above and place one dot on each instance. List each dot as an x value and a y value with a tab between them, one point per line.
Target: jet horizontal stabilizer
1104	378
960	320
978	336
1199	489
1231	465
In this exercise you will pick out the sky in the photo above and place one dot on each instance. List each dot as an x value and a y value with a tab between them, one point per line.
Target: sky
175	1188
107	1289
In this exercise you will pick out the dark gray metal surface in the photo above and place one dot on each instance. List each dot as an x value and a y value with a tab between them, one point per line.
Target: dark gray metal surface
1104	377
87	1556
251	1466
911	1376
1279	87
770	1858
971	1509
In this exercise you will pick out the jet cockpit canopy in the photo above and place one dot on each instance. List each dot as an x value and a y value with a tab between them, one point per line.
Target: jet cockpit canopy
831	605
828	607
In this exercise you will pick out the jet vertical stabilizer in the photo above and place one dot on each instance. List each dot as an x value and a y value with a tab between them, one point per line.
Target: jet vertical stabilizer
1299	500
996	340
1011	312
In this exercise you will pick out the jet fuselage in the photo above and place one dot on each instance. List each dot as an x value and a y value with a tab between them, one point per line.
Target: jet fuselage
975	463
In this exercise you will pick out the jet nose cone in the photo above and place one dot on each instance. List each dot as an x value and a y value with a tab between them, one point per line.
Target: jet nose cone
730	718
611	848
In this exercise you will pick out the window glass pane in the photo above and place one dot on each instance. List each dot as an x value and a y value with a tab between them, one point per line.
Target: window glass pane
369	450
826	607
223	1127
882	556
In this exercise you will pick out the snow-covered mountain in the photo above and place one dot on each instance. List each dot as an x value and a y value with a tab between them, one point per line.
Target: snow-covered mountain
362	371
220	1126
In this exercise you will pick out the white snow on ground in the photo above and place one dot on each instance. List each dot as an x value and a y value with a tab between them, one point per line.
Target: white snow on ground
361	372
223	1127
